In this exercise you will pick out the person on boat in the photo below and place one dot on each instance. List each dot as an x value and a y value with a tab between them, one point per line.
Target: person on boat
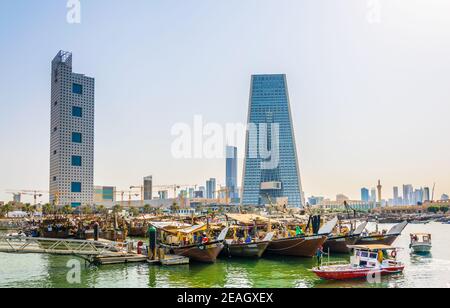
380	256
299	231
319	255
248	240
205	238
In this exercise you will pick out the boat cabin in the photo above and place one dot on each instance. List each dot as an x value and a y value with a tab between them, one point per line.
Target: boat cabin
373	256
420	238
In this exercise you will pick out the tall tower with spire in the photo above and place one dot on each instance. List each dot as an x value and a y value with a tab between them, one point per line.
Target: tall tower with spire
379	187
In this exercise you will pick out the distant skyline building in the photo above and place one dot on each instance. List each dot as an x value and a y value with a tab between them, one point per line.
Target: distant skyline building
444	197
426	194
148	188
396	200
72	134
163	194
211	188
315	200
408	194
271	169
231	171
342	198
104	194
373	195
365	194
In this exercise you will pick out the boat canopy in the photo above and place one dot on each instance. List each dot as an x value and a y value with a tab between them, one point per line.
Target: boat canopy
398	229
329	226
360	228
372	247
248	219
193	229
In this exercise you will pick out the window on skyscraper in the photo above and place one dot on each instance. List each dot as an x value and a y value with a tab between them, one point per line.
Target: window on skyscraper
77	88
76	161
77	138
76	187
77	112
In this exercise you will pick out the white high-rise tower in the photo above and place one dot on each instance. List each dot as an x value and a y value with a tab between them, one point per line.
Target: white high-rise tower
72	135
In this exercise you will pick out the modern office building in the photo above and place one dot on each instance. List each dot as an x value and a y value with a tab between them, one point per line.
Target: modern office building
72	134
231	172
271	169
408	194
365	194
148	188
104	194
373	195
396	200
211	188
444	197
163	194
426	194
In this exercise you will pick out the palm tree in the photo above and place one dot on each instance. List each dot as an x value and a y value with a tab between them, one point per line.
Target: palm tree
134	211
101	209
147	209
7	208
86	210
117	208
48	208
67	209
28	208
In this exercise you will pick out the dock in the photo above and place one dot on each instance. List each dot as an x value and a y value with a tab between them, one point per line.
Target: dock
95	252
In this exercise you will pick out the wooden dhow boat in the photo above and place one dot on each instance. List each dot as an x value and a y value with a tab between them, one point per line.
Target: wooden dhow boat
301	245
383	238
195	245
245	240
339	243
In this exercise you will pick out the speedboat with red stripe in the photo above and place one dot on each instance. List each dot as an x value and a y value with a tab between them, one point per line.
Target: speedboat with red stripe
368	261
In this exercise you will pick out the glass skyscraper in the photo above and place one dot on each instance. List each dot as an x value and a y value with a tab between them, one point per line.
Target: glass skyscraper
231	172
365	196
271	170
211	188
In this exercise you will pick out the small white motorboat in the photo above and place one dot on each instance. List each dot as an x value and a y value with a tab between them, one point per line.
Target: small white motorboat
421	243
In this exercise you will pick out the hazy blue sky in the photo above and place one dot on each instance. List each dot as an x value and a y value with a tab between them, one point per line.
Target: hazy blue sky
370	99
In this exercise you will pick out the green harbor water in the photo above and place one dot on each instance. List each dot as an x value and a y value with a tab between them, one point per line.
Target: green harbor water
36	271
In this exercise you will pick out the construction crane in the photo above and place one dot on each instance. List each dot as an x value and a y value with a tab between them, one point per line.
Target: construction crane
122	194
35	193
175	187
225	190
141	188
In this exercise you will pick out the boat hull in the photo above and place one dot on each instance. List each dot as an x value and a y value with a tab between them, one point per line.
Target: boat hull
340	244
377	240
351	274
297	246
206	253
251	250
421	248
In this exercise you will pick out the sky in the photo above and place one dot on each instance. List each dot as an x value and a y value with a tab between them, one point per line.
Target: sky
368	82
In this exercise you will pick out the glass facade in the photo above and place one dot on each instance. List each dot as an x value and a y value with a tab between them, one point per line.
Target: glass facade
211	188
271	178
231	172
